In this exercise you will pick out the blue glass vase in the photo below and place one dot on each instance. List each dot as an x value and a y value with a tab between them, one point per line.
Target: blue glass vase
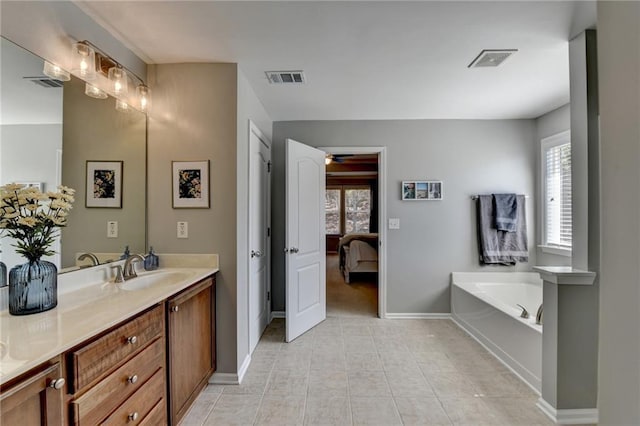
3	275
33	287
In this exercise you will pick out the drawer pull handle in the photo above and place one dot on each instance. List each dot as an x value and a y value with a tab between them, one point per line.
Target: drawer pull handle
132	379
57	383
132	340
175	308
134	416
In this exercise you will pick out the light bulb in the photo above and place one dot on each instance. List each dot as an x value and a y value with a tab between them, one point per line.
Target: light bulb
122	106
94	92
118	78
55	72
84	61
144	97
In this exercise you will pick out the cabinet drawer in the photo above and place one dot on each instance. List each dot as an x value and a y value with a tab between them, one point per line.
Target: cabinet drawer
93	360
107	394
157	416
140	404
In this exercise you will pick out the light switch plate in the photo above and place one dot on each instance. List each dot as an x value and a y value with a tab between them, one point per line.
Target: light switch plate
112	229
183	229
394	223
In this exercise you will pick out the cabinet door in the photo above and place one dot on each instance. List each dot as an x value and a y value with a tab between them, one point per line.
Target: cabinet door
36	400
190	350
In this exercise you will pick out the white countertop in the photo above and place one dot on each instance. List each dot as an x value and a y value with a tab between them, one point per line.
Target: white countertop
89	304
565	275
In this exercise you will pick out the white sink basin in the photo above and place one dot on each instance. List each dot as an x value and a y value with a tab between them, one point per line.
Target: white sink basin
155	279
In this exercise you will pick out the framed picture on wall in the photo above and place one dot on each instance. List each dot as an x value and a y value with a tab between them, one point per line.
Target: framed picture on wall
104	184
39	185
421	190
190	184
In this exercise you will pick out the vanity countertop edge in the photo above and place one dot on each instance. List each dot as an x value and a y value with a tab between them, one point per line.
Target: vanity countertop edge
82	313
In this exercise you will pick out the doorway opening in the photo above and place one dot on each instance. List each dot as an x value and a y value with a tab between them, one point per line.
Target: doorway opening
353	222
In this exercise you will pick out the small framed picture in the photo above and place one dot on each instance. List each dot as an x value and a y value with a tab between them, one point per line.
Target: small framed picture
190	184
421	190
39	185
104	184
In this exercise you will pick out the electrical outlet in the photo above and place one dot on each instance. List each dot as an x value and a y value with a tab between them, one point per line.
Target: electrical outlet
183	229
394	223
112	229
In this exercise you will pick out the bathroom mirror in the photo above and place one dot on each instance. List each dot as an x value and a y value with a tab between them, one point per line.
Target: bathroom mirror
49	131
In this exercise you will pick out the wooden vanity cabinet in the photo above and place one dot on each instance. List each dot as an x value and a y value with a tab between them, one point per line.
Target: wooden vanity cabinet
35	398
190	345
119	377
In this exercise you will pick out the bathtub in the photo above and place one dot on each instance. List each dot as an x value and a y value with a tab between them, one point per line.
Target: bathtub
484	304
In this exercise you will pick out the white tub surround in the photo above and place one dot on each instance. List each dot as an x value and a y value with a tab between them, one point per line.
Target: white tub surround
569	345
484	304
89	303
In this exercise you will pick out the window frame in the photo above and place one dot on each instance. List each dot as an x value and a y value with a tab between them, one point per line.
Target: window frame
343	208
546	144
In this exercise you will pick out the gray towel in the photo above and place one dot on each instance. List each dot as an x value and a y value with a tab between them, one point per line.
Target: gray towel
500	247
506	211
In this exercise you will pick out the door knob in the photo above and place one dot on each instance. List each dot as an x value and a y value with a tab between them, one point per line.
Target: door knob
293	250
255	253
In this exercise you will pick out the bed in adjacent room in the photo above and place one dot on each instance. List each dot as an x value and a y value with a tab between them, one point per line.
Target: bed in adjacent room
358	253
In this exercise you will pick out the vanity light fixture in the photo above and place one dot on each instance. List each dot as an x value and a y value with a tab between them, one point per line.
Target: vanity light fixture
122	106
115	78
84	60
144	97
94	92
55	72
118	80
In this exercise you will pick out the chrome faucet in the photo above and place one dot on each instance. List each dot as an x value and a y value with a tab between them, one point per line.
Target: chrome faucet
129	268
524	313
93	257
539	315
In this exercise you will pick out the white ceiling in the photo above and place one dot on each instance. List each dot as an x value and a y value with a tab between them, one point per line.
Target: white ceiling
368	60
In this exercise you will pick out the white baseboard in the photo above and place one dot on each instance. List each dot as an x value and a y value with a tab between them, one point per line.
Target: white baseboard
230	378
277	314
403	315
569	417
224	379
243	368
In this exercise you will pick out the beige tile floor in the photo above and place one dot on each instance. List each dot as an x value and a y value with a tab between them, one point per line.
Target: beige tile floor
355	369
366	371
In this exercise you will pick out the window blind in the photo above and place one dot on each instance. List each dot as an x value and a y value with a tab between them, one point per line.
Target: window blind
558	195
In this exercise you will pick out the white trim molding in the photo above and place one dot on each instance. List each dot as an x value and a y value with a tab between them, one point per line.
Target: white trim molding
224	379
277	314
382	214
568	416
419	315
231	378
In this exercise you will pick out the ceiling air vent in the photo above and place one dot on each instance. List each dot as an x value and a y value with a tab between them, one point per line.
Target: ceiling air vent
44	82
491	57
285	77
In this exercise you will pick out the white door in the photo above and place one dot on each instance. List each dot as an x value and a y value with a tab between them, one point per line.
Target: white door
259	233
305	240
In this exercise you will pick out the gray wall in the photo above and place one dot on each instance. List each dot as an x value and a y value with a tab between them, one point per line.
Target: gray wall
553	122
94	130
194	118
619	77
436	237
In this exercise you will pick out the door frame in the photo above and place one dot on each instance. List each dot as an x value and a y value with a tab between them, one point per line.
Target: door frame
382	213
256	130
